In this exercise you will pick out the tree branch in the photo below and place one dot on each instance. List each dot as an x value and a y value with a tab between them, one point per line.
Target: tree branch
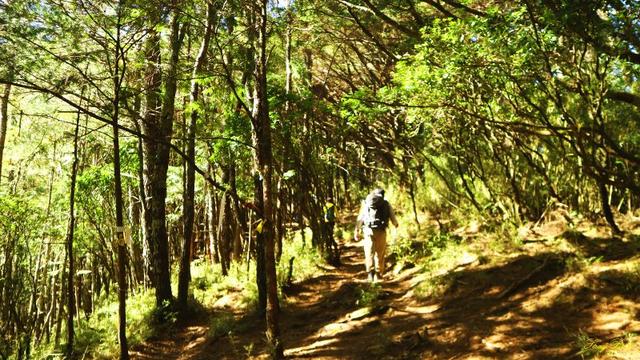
621	96
458	5
411	32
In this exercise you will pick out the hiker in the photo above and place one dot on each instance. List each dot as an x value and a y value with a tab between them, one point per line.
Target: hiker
329	215
328	223
373	219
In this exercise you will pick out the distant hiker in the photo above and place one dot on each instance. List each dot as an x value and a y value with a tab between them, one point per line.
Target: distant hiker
328	223
329	215
373	219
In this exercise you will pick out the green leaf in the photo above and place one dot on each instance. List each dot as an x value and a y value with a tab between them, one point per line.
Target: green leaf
289	174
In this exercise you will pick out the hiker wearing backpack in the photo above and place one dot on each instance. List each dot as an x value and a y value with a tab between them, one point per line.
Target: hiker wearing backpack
329	218
373	219
329	213
328	224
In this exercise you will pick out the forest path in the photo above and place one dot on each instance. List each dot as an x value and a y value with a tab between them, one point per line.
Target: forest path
524	306
321	318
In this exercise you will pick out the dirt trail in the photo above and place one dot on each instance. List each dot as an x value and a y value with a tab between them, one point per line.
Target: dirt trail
321	319
486	312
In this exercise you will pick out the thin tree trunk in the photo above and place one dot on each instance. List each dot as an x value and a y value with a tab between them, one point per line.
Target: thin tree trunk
144	207
59	313
224	234
4	119
412	194
50	320
189	193
37	300
205	219
467	188
118	77
211	220
72	222
261	275
235	230
135	211
138	208
41	323
264	162
606	207
280	209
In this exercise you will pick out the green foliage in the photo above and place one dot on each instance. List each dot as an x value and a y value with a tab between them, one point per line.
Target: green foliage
436	253
248	349
221	325
479	82
358	112
427	244
369	295
305	263
434	287
626	279
504	238
208	285
632	278
625	346
97	335
579	262
588	347
20	234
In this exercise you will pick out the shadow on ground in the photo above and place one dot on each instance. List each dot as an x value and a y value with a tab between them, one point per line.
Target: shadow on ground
526	307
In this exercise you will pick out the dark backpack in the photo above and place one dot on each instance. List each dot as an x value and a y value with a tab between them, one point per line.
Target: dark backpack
377	212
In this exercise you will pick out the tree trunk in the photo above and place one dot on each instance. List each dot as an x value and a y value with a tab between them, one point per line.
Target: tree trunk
144	207
38	299
279	215
224	233
264	161
211	220
280	210
412	194
189	193
72	223
606	207
118	78
4	119
158	128
261	275
154	222
60	307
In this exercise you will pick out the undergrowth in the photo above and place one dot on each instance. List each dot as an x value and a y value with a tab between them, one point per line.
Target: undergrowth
208	284
96	334
99	337
224	324
369	296
434	252
306	259
588	347
442	242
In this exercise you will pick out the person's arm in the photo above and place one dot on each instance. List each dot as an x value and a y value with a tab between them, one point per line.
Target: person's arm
358	230
392	216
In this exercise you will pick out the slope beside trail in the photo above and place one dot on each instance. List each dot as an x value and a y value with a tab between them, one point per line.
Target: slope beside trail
527	306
